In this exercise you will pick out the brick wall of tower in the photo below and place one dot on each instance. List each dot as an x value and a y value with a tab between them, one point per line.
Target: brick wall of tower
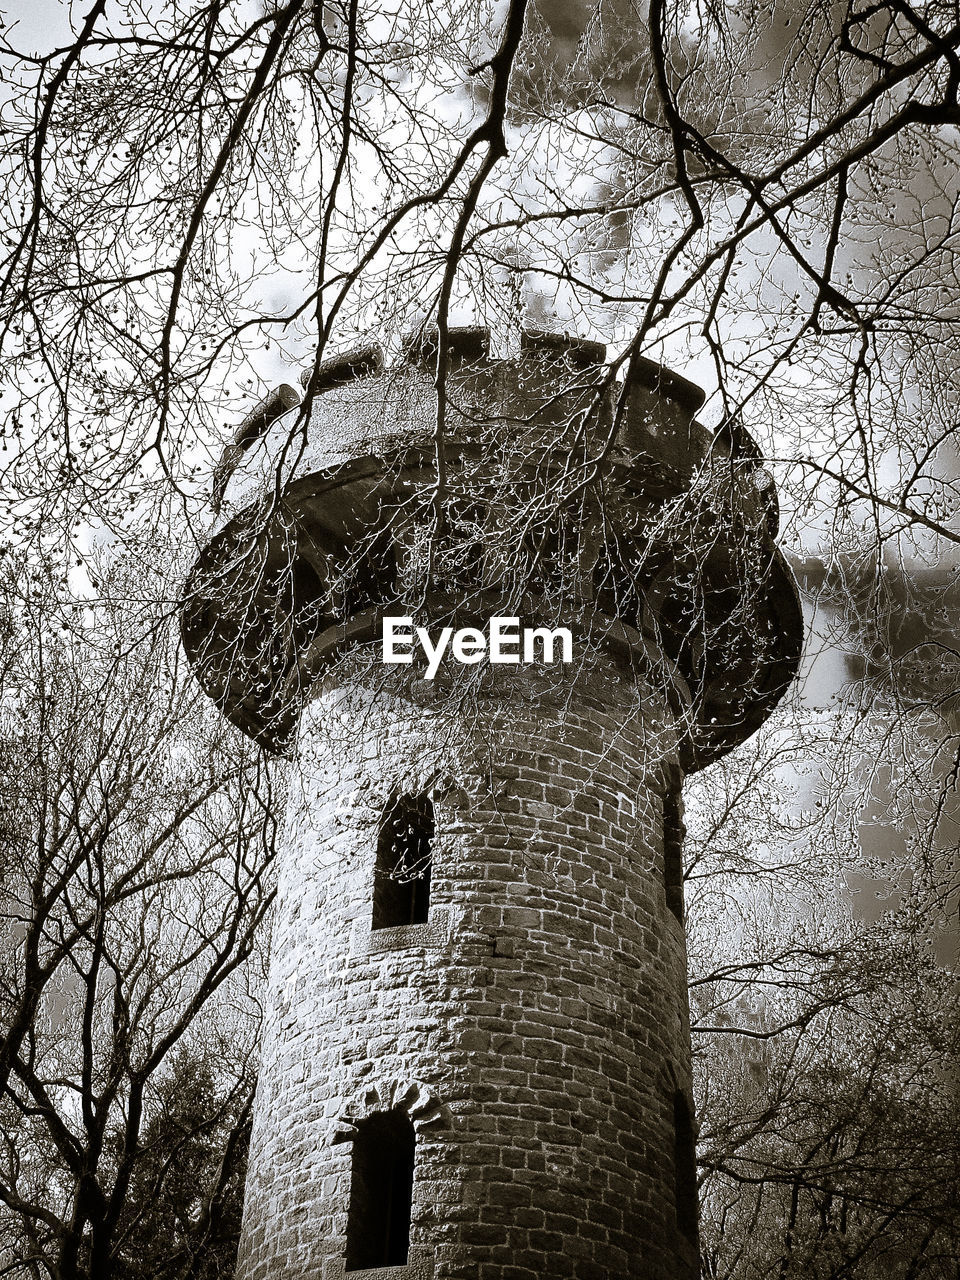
538	1020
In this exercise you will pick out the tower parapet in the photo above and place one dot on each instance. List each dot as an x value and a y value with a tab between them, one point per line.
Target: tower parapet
477	1058
562	491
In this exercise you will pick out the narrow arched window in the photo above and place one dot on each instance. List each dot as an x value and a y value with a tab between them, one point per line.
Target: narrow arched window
459	551
381	1192
552	549
369	578
620	579
673	832
401	882
685	1166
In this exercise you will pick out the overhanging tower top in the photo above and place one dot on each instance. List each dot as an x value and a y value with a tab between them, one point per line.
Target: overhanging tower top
552	491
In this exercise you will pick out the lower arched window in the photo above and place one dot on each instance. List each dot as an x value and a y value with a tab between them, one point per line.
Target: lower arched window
381	1192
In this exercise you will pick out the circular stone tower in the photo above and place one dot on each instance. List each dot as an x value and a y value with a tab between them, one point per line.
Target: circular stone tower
477	1060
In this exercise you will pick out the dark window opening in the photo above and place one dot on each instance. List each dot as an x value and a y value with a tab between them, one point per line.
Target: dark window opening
552	551
461	548
685	1166
620	581
381	1192
401	885
370	575
286	614
309	598
673	832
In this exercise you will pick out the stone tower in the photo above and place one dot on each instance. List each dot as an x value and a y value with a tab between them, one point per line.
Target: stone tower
477	1055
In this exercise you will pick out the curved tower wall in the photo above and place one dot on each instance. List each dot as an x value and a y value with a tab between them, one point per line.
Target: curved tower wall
532	1029
537	1020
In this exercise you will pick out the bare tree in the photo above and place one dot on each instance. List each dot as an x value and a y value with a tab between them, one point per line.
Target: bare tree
135	878
764	195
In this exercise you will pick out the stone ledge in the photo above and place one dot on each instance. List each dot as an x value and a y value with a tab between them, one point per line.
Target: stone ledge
434	935
419	1267
406	1272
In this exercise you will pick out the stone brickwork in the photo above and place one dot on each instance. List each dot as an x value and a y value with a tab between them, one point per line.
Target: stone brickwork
546	1029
